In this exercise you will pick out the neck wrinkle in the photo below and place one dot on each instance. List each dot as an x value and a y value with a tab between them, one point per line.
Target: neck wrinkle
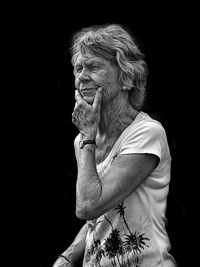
115	117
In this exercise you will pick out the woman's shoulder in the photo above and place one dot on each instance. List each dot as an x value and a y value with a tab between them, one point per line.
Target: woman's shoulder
144	123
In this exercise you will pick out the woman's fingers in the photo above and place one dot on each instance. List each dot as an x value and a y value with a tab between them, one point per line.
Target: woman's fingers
97	100
78	96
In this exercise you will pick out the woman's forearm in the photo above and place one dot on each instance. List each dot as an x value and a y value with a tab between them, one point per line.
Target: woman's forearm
88	183
87	118
76	250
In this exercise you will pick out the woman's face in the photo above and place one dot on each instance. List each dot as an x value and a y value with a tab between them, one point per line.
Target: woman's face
92	72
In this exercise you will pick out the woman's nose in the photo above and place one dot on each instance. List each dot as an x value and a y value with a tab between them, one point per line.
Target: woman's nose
84	75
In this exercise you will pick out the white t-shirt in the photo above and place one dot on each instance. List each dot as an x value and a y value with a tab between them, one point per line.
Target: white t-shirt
133	233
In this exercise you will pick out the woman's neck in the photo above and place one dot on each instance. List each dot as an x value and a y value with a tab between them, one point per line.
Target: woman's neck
115	117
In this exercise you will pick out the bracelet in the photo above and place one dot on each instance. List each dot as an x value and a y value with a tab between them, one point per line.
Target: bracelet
62	256
82	143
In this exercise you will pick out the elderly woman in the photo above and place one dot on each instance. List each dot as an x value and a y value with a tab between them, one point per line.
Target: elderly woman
122	156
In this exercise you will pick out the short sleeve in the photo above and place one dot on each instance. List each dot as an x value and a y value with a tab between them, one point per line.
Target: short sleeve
148	137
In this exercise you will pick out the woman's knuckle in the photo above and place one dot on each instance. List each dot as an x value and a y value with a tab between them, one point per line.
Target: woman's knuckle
79	106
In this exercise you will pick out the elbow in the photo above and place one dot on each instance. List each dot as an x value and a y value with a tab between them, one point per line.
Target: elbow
81	215
86	213
87	206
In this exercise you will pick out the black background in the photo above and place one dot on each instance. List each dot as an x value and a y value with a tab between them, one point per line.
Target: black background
42	165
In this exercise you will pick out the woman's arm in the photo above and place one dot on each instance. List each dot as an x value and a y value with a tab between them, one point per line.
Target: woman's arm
95	197
77	248
75	251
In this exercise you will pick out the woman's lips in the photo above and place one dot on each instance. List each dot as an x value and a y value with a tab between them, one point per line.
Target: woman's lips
88	92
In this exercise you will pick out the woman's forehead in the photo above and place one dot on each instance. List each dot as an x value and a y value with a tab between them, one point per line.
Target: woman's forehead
88	57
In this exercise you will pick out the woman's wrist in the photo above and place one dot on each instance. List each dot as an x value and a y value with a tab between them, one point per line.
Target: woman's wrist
88	136
66	259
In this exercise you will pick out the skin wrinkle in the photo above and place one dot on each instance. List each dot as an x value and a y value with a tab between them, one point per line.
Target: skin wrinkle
104	74
90	193
119	118
90	196
115	113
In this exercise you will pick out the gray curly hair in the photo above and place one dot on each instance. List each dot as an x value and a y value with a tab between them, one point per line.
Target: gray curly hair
115	44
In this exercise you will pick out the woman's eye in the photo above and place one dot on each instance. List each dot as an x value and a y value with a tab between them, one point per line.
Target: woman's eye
78	70
94	67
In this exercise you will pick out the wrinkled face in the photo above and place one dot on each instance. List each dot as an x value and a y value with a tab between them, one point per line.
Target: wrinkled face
92	72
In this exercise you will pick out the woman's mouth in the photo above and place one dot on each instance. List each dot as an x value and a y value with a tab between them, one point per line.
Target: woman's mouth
88	95
88	92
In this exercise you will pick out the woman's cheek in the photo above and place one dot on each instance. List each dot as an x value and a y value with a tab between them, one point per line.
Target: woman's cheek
100	78
76	83
104	75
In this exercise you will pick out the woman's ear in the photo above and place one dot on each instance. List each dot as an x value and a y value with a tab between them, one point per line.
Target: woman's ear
124	88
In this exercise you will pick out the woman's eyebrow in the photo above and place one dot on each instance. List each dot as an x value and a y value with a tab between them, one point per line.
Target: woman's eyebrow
89	62
92	61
